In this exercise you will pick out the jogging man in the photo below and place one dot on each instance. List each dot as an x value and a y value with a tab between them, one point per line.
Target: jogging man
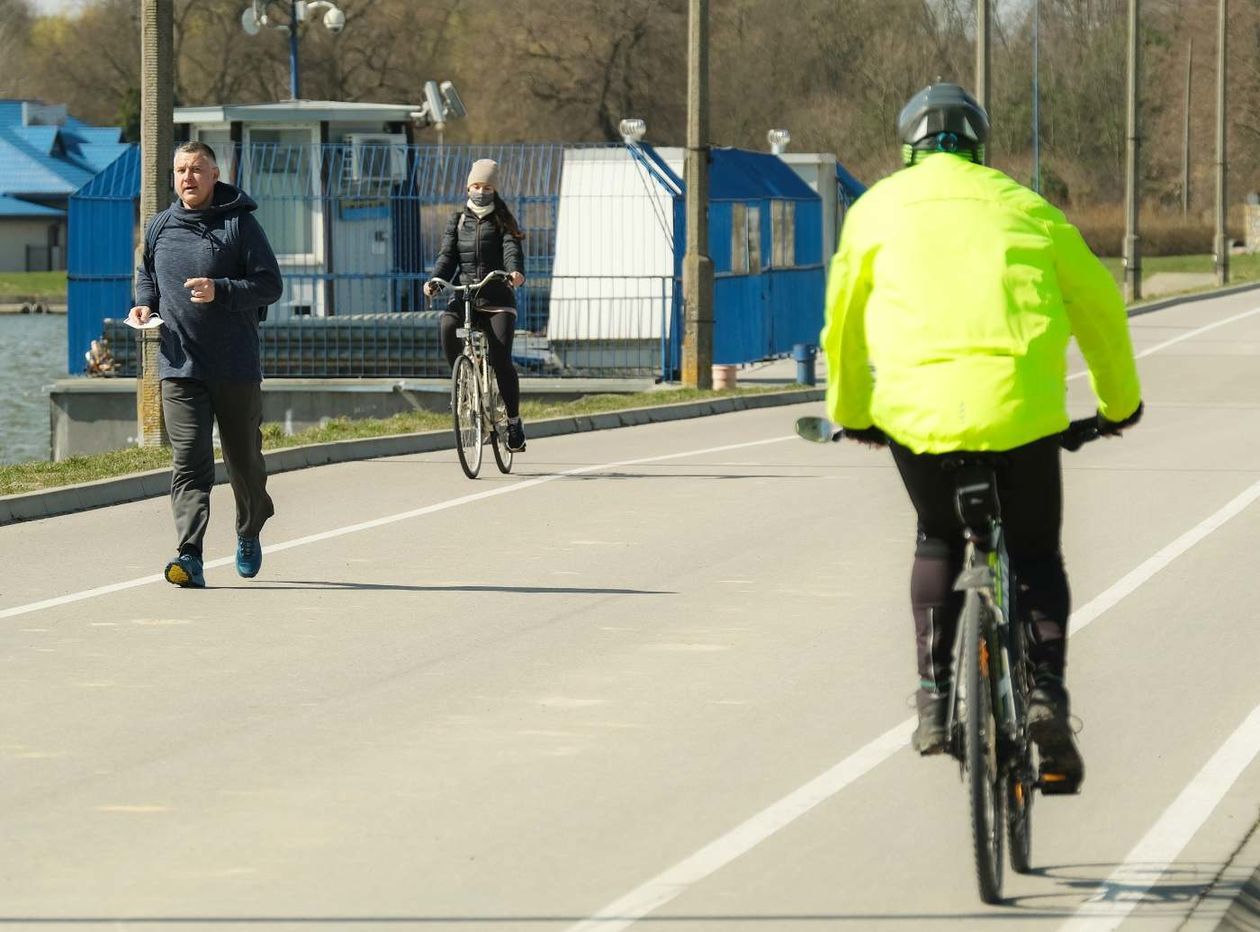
209	271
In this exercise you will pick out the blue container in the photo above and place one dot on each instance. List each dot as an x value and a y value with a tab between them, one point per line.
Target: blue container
804	354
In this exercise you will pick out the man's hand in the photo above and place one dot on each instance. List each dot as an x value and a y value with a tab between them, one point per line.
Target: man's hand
871	437
517	279
140	314
1108	428
202	290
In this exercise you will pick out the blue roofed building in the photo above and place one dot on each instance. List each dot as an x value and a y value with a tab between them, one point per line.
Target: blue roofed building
45	156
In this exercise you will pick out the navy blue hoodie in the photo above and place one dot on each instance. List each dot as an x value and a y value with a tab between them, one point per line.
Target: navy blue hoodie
215	342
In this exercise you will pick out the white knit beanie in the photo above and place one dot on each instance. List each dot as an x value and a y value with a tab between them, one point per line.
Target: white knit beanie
484	171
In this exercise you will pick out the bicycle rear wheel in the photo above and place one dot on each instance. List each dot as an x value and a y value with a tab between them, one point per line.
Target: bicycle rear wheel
986	789
498	425
1019	801
1021	781
466	413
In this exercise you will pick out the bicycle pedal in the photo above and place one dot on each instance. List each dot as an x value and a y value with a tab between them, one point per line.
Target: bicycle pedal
1058	784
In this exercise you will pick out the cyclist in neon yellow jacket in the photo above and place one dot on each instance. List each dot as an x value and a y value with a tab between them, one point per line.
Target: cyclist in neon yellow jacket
950	303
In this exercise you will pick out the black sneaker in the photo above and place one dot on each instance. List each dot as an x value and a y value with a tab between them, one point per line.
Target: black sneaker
1061	771
516	436
931	737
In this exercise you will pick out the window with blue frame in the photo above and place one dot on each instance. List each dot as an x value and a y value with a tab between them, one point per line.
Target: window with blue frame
745	239
782	234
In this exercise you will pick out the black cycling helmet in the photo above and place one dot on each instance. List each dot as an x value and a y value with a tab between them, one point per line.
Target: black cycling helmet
942	118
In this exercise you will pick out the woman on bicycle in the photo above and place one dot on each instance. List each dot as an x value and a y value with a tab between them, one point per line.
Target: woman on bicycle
484	237
950	303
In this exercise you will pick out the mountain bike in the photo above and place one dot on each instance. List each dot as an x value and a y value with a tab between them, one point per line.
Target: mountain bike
477	408
988	702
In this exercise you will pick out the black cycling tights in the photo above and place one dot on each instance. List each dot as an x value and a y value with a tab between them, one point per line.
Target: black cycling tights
1030	490
499	328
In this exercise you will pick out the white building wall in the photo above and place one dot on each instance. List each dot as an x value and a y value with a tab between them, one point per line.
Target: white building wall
16	233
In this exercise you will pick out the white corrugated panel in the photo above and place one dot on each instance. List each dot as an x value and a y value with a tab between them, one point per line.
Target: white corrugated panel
614	264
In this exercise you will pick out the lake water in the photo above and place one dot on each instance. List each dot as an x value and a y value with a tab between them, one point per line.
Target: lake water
32	355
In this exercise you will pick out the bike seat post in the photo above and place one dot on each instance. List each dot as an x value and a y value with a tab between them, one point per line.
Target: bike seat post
976	500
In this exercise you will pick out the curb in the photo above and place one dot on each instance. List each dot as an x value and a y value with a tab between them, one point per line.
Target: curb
48	503
1160	304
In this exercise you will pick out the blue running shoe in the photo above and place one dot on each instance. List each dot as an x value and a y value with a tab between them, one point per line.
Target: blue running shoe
185	571
248	556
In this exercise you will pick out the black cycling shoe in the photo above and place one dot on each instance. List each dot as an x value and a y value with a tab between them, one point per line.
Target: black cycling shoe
516	436
1061	771
931	736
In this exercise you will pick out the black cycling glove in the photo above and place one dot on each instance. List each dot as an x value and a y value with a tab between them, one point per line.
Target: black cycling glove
1108	428
867	436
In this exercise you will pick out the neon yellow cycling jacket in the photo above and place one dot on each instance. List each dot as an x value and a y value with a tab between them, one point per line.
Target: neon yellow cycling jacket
950	303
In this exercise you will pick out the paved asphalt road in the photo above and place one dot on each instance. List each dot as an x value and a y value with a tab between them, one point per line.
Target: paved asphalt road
659	674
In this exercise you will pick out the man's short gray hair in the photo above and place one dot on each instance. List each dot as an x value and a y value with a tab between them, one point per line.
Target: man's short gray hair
197	147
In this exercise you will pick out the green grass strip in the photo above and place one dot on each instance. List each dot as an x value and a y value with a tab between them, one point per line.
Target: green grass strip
31	477
16	287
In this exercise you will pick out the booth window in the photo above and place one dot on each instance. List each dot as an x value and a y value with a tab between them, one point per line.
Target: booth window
783	234
745	239
282	178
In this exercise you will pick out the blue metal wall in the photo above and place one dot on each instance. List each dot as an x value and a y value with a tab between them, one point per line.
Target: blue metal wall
102	224
757	315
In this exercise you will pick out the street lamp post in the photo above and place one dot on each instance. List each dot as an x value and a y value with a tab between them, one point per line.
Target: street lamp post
256	16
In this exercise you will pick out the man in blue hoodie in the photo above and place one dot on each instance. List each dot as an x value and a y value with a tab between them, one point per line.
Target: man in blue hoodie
208	272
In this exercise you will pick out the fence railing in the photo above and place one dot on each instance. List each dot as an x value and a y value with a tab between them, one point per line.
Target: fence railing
594	326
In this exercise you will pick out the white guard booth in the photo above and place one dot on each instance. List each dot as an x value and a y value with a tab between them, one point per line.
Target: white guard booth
613	282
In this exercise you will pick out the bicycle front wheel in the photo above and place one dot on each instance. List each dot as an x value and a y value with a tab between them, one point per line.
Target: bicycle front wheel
466	413
498	424
986	789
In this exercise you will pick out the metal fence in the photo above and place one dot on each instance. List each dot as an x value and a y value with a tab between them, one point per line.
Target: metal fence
357	226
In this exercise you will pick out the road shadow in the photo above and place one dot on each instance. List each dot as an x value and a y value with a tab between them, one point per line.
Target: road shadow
303	584
613	474
1152	888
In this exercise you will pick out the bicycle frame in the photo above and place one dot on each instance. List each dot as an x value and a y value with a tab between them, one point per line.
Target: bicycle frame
987	571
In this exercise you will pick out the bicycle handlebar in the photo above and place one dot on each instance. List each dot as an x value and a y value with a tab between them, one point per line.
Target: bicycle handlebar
820	430
496	275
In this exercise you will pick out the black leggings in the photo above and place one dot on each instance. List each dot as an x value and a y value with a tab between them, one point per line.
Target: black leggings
499	328
1030	492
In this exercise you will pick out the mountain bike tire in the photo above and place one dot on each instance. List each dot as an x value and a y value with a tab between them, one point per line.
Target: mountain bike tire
986	789
1021	781
466	414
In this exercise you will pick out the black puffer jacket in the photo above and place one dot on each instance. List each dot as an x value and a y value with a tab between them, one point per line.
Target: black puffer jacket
477	246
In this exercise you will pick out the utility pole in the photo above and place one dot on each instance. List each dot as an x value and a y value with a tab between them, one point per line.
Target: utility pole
982	60
156	132
1132	252
1185	135
1222	242
1036	97
697	355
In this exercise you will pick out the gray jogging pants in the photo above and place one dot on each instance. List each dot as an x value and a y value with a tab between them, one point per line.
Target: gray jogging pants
191	408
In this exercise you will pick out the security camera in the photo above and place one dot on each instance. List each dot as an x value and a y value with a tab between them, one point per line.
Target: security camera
334	20
454	105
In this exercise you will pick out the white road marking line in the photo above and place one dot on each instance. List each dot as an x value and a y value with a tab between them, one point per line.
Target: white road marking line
381	522
1185	336
1128	885
717	854
1148	568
